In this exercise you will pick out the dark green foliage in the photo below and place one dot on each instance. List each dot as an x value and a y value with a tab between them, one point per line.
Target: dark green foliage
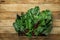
34	22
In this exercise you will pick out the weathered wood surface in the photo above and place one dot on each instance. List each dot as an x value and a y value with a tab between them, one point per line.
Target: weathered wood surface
5	29
29	2
9	9
9	36
12	15
25	7
9	22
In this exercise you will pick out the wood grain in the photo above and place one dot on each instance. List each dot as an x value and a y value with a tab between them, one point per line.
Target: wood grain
16	37
9	36
8	15
9	9
7	29
7	18
56	14
50	37
10	29
6	26
9	22
25	7
12	15
29	2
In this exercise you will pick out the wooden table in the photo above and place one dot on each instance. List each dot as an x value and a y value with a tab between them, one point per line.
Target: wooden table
9	9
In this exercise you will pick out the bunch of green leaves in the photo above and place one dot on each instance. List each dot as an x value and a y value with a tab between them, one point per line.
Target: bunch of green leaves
34	21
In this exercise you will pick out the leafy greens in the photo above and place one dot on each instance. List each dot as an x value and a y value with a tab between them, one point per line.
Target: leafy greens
34	22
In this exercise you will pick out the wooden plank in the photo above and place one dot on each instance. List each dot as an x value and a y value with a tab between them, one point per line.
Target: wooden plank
10	29
56	14
55	30
9	22
7	29
8	35
28	1
6	22
12	38
50	37
56	23
25	7
12	15
15	37
8	15
6	26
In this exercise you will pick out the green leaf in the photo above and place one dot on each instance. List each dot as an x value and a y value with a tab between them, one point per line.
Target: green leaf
35	21
48	30
16	27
